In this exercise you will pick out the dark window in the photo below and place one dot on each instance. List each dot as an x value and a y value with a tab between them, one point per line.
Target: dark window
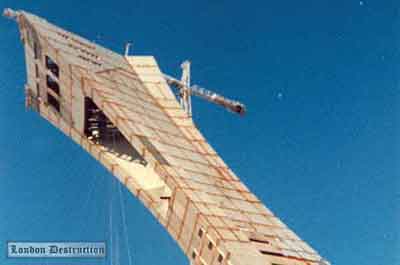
259	240
200	232
220	258
53	85
210	245
53	102
37	90
36	70
36	50
194	255
271	253
52	66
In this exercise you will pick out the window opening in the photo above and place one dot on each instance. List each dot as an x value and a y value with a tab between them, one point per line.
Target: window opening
53	85
52	66
53	102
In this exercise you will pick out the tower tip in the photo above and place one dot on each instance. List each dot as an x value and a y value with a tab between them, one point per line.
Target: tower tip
10	13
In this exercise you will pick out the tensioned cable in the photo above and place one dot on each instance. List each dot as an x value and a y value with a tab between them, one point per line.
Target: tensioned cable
125	227
94	184
117	248
110	222
114	234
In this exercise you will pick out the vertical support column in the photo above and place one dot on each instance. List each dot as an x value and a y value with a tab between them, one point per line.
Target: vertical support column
186	101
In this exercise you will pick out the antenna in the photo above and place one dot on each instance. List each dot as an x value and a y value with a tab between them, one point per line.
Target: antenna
127	48
186	90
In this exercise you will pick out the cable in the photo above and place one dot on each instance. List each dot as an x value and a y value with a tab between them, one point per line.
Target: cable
111	221
125	227
92	186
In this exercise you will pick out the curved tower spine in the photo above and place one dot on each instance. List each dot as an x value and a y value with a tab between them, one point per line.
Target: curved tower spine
121	110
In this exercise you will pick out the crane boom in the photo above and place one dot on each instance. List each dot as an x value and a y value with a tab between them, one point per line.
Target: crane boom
231	105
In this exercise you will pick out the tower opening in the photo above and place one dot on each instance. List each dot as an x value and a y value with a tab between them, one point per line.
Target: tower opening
52	101
52	66
53	85
100	130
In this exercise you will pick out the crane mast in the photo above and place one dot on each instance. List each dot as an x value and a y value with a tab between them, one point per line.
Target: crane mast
184	93
186	90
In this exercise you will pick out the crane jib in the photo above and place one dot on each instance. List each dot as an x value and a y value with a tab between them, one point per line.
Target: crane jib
230	105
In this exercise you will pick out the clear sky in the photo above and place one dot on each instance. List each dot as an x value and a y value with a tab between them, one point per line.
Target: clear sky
319	145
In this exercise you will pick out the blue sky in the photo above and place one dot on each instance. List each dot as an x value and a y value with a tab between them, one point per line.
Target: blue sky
319	145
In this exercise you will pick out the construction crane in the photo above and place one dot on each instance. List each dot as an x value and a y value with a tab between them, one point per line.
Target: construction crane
185	90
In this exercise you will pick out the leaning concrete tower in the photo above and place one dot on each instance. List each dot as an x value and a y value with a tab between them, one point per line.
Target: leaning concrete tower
122	111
